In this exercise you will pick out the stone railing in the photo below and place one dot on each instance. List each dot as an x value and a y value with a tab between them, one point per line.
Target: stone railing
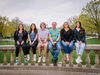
96	48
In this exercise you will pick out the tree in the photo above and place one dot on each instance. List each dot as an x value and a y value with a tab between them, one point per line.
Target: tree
16	21
92	12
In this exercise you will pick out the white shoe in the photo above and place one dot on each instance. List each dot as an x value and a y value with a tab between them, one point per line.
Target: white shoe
16	61
44	59
39	59
28	57
34	57
78	60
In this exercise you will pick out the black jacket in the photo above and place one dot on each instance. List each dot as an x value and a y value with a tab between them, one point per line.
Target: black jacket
78	36
25	35
67	35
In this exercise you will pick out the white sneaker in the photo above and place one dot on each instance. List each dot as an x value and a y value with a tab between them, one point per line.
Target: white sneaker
28	57
39	59
78	60
16	61
34	59
44	59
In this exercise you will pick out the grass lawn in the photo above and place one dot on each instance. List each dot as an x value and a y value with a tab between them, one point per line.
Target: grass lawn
89	41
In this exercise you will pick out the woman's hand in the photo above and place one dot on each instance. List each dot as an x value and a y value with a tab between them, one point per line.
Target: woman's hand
22	42
30	43
18	42
68	43
78	42
53	43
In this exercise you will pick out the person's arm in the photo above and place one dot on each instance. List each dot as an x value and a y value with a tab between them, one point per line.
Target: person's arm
15	36
46	37
29	38
25	37
58	38
71	36
62	36
75	36
35	39
50	38
38	36
83	38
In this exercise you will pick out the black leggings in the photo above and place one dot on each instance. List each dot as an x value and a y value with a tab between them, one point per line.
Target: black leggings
24	47
34	46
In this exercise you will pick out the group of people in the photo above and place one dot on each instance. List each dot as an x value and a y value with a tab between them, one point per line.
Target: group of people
50	40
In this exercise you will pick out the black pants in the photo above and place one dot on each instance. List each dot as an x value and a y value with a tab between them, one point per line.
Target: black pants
33	46
24	47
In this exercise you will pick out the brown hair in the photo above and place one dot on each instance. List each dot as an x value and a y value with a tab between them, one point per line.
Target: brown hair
35	29
79	23
42	23
82	30
64	24
22	26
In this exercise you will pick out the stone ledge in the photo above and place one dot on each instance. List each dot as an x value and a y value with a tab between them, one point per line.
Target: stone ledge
50	68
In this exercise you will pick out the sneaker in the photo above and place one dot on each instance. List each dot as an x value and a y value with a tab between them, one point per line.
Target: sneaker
44	59
16	61
55	62
28	57
39	59
34	59
78	60
25	60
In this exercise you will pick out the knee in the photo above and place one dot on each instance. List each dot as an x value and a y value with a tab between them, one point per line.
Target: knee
83	46
39	45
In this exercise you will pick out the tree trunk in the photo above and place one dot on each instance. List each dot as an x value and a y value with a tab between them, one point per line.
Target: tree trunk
99	34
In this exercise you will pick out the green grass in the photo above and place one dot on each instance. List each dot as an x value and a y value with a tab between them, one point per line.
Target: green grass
93	41
6	42
89	41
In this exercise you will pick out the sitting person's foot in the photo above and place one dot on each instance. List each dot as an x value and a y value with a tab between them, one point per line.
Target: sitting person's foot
44	59
34	59
55	62
16	61
39	59
78	60
25	60
28	57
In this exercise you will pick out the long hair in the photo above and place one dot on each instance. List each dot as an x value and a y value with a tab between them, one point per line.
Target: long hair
22	26
35	29
42	23
67	24
79	24
82	30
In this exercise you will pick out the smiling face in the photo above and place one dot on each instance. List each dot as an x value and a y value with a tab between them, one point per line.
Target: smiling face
20	27
42	25
66	25
54	24
32	27
78	25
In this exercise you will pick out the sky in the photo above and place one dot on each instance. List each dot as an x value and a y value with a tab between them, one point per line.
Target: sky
37	11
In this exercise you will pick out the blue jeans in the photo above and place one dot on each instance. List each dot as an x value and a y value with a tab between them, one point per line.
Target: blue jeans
67	47
80	48
55	53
